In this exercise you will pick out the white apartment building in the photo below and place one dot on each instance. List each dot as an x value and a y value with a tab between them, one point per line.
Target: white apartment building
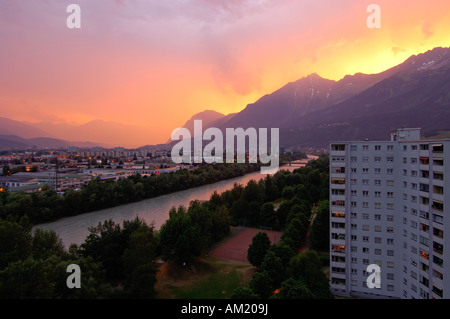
388	207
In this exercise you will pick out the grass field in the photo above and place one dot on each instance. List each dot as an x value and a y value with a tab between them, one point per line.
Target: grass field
209	278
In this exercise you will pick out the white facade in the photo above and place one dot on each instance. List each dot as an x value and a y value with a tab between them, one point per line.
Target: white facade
387	206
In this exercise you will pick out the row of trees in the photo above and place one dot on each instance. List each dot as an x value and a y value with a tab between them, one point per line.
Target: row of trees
97	194
280	269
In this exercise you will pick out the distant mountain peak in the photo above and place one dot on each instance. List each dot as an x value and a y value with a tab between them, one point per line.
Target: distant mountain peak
430	60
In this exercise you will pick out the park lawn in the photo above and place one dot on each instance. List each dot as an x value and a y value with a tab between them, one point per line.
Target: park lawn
213	278
213	286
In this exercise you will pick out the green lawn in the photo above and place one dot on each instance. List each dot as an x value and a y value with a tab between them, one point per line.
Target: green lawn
213	286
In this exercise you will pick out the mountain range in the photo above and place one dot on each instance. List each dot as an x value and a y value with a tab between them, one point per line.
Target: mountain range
309	112
313	111
17	134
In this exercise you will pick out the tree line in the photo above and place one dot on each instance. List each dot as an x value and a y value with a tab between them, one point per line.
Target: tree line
282	272
47	205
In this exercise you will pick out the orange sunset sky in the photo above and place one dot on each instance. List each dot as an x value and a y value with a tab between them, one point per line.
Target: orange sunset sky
156	63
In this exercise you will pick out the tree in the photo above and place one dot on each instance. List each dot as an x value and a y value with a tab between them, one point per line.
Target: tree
139	263
307	268
283	251
179	238
258	249
294	289
106	244
268	216
295	234
261	284
244	293
274	267
25	279
46	243
319	236
15	242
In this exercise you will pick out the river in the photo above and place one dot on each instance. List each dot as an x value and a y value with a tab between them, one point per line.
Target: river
154	210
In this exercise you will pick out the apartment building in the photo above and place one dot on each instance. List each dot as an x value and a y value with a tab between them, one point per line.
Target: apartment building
388	207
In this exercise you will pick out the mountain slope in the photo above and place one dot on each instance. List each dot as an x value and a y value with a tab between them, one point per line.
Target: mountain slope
416	95
208	117
25	130
314	111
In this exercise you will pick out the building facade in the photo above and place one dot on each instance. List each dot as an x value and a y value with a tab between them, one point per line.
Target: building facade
388	208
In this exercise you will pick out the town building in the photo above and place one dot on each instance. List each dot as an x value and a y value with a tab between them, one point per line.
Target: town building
389	207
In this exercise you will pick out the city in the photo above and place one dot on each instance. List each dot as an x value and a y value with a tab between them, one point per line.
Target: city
224	157
71	168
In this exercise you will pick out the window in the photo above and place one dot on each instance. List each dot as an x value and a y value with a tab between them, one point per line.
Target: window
413	160
390	171
377	159
377	147
390	183
338	147
377	170
390	194
354	148
438	219
414	147
365	159
365	193
390	159
377	182
365	170
390	147
377	194
365	147
424	241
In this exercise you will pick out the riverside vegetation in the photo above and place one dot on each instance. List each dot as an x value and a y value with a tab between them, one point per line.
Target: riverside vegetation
119	261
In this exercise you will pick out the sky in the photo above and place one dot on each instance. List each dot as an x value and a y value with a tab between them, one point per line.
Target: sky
156	63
